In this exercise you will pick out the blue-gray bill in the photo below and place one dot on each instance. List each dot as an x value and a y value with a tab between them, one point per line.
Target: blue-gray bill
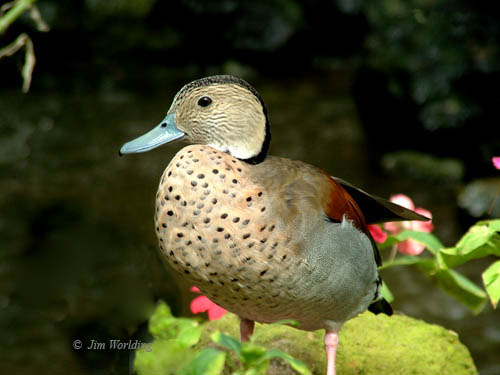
165	132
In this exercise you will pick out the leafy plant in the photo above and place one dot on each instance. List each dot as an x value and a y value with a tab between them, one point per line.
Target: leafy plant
481	240
174	350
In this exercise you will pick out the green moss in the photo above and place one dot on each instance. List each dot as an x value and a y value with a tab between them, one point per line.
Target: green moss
369	345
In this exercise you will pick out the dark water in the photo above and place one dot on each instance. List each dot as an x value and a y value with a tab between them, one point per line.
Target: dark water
78	251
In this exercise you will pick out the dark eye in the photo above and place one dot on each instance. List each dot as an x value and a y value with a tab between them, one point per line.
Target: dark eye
204	101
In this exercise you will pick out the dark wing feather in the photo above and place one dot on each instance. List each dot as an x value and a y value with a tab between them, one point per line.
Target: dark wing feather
376	209
339	204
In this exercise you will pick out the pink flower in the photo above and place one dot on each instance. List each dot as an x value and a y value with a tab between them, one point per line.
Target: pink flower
409	247
496	161
202	303
377	233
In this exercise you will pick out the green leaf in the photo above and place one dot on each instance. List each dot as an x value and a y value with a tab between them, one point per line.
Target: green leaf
296	364
494	225
481	235
430	241
386	293
389	242
475	237
491	280
209	361
177	327
189	335
481	240
405	260
161	312
227	341
165	356
163	326
462	289
427	265
252	354
160	323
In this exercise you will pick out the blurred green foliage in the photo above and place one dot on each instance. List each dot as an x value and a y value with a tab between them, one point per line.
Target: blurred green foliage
174	352
481	240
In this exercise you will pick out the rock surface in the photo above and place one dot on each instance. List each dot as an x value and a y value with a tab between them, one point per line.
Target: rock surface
369	345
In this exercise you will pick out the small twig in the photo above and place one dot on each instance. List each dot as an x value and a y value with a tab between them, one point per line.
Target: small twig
490	207
29	65
37	18
14	10
392	255
21	41
9	12
4	8
15	46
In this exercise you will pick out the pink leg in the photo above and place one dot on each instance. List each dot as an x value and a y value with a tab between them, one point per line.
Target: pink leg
246	329
331	342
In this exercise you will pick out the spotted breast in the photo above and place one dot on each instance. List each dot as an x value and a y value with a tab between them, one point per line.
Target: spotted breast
214	225
265	237
244	242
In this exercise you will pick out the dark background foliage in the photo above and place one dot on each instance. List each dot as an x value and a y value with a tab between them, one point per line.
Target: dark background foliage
429	67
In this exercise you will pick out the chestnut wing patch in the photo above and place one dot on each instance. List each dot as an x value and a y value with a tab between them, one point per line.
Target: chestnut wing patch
339	204
376	209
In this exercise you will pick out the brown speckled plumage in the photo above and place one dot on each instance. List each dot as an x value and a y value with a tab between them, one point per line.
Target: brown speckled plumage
239	231
267	238
221	230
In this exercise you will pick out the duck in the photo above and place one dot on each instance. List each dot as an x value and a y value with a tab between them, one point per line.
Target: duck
265	237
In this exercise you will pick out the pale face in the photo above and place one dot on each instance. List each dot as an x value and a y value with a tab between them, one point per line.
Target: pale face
226	116
223	112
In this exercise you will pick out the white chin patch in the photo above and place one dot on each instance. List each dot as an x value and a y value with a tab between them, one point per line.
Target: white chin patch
240	153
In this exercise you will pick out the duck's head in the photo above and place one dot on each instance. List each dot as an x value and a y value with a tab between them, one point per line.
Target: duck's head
223	112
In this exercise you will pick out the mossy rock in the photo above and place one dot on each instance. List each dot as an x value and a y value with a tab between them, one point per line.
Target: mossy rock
369	345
